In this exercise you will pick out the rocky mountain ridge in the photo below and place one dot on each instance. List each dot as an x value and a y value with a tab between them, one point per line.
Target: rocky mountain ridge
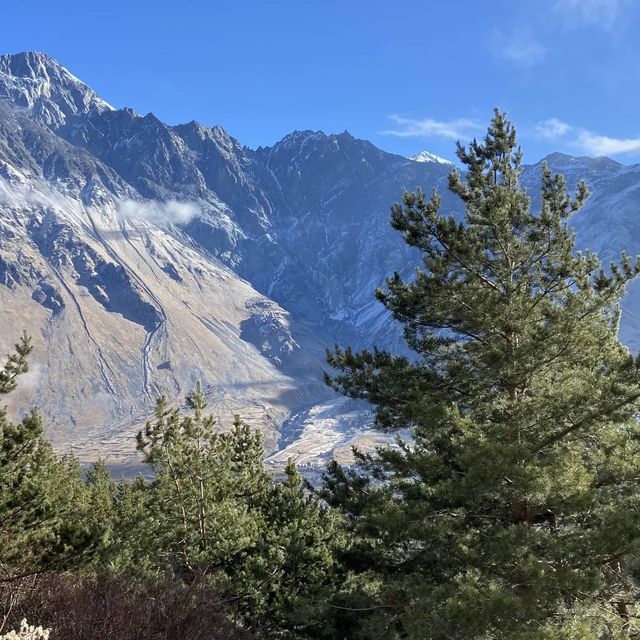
143	256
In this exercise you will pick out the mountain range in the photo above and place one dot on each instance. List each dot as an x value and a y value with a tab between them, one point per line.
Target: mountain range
144	257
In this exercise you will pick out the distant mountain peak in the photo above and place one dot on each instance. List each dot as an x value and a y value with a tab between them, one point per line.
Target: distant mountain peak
130	111
558	157
28	64
296	136
427	156
37	82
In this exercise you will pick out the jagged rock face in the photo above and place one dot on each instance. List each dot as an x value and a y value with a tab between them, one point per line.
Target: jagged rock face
333	227
46	89
123	309
228	171
149	155
143	257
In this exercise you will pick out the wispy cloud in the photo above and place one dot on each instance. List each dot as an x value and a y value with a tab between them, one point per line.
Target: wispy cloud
527	38
599	13
588	142
21	193
597	145
39	193
430	128
519	47
552	129
159	213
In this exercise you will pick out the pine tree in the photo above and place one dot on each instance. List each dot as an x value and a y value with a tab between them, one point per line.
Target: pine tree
133	551
294	568
204	483
514	511
98	511
16	364
212	512
39	493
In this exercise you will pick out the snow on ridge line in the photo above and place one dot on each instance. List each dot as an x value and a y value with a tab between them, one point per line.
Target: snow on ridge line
42	72
426	156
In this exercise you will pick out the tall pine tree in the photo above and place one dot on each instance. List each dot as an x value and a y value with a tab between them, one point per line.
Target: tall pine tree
214	513
206	483
514	511
39	493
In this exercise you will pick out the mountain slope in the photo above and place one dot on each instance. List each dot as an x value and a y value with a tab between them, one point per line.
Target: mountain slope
48	91
125	308
144	256
123	311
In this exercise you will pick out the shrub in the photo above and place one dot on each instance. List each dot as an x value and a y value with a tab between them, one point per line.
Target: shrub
78	608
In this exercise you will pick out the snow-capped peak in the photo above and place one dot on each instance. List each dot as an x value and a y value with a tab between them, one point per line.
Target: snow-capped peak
426	156
37	82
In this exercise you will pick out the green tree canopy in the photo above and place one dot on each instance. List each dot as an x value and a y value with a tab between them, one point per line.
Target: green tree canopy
39	493
514	510
213	512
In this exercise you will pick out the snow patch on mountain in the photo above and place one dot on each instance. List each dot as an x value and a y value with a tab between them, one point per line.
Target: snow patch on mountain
38	83
427	156
143	257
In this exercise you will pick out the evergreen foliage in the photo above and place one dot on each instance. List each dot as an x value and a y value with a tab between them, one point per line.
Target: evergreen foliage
16	364
294	571
213	512
39	493
211	523
512	513
514	510
205	485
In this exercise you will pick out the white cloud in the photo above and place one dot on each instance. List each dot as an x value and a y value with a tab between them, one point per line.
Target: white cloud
430	128
30	381
519	47
552	129
597	145
36	192
588	142
40	193
599	13
159	213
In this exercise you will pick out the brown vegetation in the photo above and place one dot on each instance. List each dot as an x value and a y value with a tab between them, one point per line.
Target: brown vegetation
105	609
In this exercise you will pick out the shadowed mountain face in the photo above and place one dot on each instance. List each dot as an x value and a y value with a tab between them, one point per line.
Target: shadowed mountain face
143	257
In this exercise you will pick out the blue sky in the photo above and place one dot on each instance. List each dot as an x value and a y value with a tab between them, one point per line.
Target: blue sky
407	75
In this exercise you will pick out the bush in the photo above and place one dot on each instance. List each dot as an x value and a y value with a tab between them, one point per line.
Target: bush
75	608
